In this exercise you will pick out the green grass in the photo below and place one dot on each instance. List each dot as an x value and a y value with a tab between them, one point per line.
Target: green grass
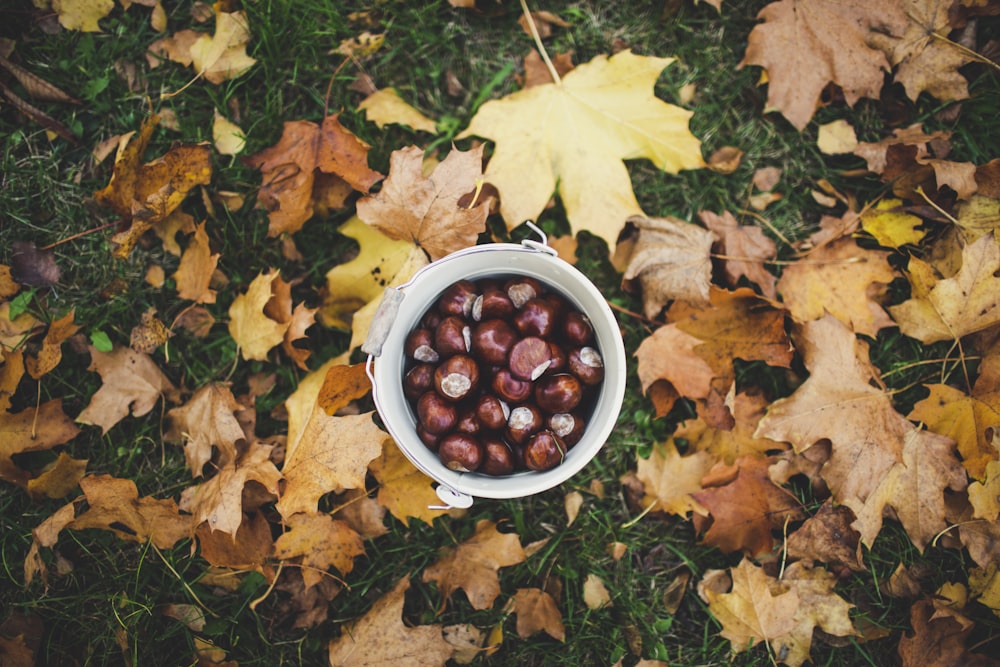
113	591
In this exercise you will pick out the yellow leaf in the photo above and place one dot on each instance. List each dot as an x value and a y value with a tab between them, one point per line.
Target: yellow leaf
890	227
404	490
670	479
250	327
836	138
965	419
228	137
985	496
575	135
977	216
385	106
322	542
82	15
223	56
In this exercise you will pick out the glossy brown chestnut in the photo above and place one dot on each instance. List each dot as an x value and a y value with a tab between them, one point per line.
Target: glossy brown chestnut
492	341
457	377
417	380
567	425
577	329
524	421
436	414
431	319
457	299
498	458
509	388
492	412
544	451
460	452
535	318
468	422
428	438
452	336
521	289
558	393
529	358
419	345
586	364
492	304
558	354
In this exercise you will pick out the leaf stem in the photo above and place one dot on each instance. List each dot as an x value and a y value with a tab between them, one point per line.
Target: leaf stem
538	43
80	234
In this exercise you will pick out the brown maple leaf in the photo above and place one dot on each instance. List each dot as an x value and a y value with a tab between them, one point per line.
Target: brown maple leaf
806	44
746	510
196	268
827	537
248	550
670	260
131	381
114	504
938	641
290	170
473	565
51	353
536	612
380	638
843	279
670	480
32	430
208	419
426	209
745	249
321	542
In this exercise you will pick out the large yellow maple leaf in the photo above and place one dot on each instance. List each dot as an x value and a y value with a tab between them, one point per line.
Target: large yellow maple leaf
574	134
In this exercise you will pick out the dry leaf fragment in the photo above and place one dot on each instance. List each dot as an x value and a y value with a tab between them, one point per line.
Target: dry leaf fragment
537	73
385	107
33	267
984	496
890	226
51	353
827	537
379	638
11	372
207	420
575	134
806	44
836	138
227	136
114	504
254	332
425	210
671	480
322	542
196	268
131	381
671	260
222	56
82	15
819	607
725	160
37	87
32	430
473	565
595	593
536	612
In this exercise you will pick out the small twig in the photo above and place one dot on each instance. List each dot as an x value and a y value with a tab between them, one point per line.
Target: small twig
634	314
966	51
920	191
767	223
638	518
924	362
333	77
38	405
74	237
538	43
253	605
788	262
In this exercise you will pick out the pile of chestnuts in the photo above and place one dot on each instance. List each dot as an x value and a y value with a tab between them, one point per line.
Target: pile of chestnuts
501	373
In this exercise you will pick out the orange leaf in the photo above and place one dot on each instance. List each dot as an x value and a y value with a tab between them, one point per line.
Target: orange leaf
537	611
32	430
341	385
322	542
194	272
114	504
51	353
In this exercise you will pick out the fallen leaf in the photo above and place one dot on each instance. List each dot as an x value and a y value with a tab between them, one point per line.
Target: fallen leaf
751	612
33	267
977	216
254	332
669	354
473	565
746	510
725	160
950	308
819	608
32	430
671	260
58	478
403	489
466	640
984	496
671	480
575	134
114	504
890	226
227	136
82	15
843	279
167	229
385	107
425	210
50	354
537	612
149	334
362	513
193	277
130	382
806	44
292	170
222	56
967	419
11	373
321	542
836	138
380	638
219	502
537	73
249	549
572	503
207	420
937	641
745	251
827	537
595	593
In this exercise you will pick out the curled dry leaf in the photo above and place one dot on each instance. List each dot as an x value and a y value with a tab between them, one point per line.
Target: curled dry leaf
207	420
536	612
50	354
254	332
321	542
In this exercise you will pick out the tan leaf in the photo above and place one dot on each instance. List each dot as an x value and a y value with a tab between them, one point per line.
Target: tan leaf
836	137
595	593
254	332
11	373
750	612
572	502
671	261
59	478
168	228
968	420
670	479
32	430
130	382
819	607
985	496
208	419
725	160
379	638
746	251
114	504
536	612
362	513
227	136
473	565
575	134
51	353
668	354
806	44
223	56
827	537
219	501
425	209
194	272
950	308
842	279
322	542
